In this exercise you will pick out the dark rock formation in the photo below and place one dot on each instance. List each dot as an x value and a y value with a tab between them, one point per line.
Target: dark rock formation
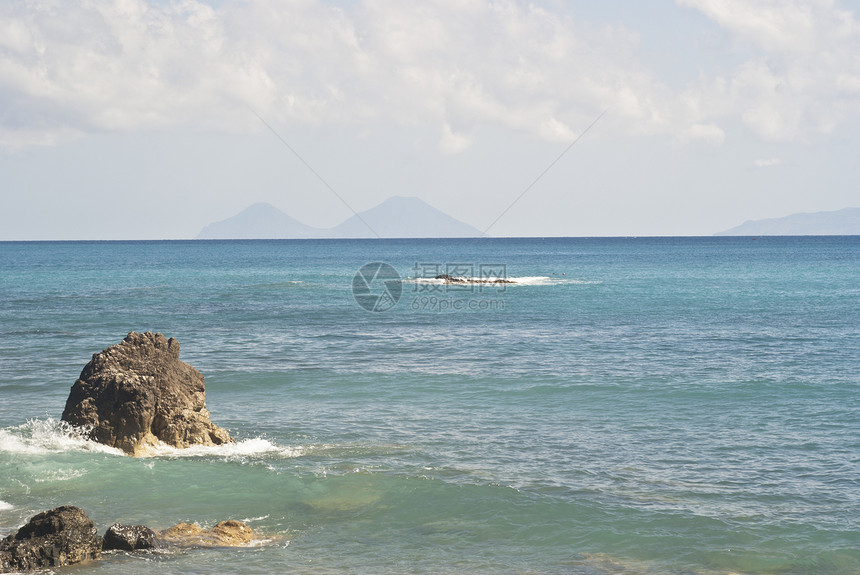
449	279
61	536
137	393
65	536
129	538
224	534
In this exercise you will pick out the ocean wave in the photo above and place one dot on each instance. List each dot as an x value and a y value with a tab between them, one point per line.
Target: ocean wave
5	506
38	436
256	446
276	285
508	281
535	280
60	475
553	280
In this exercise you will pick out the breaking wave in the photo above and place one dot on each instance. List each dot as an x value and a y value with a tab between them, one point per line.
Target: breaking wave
49	435
256	446
40	436
520	280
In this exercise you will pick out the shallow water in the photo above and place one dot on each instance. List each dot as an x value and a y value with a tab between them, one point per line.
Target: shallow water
675	405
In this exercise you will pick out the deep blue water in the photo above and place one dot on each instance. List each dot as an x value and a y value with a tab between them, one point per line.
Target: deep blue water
630	405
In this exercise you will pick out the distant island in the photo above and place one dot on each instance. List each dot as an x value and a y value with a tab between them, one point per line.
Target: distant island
396	217
844	222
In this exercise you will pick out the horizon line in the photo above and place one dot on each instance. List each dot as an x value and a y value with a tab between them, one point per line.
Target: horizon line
629	236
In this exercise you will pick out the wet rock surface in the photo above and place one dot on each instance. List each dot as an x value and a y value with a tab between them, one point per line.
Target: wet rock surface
224	534
61	536
129	538
66	536
137	394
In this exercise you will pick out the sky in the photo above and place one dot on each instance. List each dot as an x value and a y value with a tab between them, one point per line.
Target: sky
149	119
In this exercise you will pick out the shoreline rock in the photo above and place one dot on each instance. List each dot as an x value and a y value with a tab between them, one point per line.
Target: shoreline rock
129	538
61	536
224	534
67	536
137	394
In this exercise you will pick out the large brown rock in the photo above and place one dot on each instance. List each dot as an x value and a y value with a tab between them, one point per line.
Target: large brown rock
137	393
61	536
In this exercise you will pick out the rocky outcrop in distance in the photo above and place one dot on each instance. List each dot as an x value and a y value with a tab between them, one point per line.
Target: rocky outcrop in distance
66	536
137	394
449	279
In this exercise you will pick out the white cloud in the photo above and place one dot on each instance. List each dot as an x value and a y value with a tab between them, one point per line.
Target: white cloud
75	66
802	73
774	25
708	133
767	162
453	143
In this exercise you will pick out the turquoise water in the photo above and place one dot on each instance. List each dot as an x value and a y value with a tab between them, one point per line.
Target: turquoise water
629	406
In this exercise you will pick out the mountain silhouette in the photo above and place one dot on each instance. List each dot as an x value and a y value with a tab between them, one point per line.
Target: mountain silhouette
258	221
396	217
844	222
403	217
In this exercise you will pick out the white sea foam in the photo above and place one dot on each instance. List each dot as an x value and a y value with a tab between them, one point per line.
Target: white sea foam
39	436
5	506
258	542
509	281
551	280
48	435
279	284
60	475
247	448
534	280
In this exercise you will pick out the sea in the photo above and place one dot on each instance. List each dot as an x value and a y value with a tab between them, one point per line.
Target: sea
583	406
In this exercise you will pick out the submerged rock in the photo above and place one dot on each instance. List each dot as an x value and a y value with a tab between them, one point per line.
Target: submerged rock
137	394
61	536
224	534
129	538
